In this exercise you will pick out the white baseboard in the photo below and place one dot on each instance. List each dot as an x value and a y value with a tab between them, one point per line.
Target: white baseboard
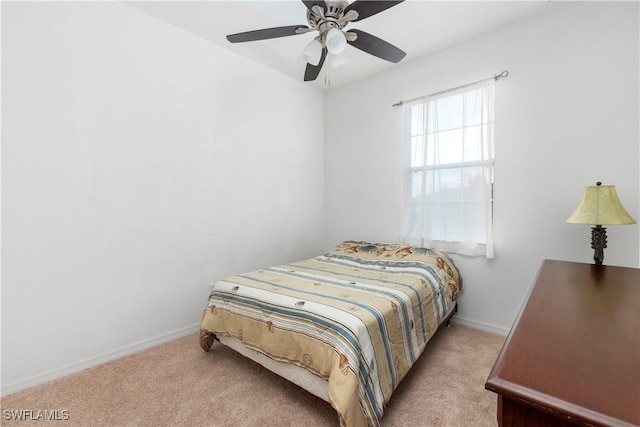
160	339
92	361
480	325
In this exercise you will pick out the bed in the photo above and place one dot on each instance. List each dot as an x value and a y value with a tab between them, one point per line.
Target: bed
346	325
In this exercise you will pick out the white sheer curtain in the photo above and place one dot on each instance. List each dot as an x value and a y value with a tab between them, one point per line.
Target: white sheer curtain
448	170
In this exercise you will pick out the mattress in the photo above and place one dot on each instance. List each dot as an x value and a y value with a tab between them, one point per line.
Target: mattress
350	322
312	383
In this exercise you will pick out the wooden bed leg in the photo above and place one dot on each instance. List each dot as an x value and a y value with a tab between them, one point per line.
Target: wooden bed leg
206	339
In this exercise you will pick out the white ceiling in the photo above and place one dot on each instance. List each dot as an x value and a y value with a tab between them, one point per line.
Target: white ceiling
418	27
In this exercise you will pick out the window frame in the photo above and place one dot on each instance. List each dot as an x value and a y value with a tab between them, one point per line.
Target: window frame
419	202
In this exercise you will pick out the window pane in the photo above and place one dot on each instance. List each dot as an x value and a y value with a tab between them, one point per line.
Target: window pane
472	147
431	150
417	180
450	198
444	184
488	148
418	119
443	220
472	108
449	112
417	151
473	221
449	146
476	185
487	107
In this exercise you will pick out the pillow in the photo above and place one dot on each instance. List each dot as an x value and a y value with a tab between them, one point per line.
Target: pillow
400	255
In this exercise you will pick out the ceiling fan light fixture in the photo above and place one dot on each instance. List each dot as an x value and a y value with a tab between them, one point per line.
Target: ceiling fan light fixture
313	52
329	18
336	41
339	59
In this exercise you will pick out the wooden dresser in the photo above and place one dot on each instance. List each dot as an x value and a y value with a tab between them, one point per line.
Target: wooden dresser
573	354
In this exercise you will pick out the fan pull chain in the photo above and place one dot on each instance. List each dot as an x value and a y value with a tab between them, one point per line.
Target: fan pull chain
327	70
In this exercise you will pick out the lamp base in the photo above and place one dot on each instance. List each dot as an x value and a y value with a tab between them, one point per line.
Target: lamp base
598	243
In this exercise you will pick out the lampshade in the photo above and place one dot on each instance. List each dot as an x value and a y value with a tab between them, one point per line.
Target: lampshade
313	52
336	41
600	205
339	59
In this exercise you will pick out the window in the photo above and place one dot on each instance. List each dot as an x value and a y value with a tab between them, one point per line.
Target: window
448	170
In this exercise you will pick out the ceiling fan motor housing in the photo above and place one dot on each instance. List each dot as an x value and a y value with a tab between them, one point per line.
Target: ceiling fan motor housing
328	18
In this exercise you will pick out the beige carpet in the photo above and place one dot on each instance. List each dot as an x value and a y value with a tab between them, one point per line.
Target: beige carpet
178	384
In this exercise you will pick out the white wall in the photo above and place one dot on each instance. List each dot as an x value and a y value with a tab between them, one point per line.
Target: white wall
566	117
139	163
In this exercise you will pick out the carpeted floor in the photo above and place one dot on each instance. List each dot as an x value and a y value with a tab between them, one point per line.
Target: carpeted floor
178	384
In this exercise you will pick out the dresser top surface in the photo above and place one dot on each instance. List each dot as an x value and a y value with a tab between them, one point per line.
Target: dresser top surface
575	347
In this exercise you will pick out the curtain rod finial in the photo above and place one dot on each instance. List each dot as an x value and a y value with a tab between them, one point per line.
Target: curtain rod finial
495	78
505	73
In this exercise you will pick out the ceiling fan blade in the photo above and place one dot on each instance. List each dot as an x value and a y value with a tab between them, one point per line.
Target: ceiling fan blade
367	8
267	33
312	71
376	47
311	3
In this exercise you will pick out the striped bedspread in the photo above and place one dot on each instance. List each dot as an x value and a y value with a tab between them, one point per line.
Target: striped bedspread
358	316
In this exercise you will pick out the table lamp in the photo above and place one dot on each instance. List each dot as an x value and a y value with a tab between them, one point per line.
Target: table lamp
600	206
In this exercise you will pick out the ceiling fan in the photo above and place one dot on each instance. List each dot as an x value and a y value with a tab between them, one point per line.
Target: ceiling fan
329	17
